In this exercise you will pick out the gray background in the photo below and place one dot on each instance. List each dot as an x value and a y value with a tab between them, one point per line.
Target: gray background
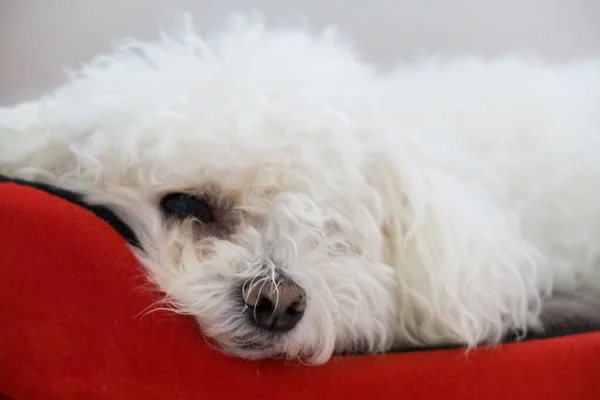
40	37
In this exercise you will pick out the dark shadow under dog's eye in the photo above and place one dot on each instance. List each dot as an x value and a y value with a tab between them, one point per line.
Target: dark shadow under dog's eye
182	206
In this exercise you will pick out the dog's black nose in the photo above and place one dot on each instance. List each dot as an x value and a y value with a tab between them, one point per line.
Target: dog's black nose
275	307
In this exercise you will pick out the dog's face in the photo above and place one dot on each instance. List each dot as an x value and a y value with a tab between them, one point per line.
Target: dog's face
274	255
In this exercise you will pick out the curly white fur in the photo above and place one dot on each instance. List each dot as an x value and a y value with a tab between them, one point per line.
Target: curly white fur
438	203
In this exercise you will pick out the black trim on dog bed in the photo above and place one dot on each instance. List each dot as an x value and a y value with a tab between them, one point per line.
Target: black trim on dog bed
76	198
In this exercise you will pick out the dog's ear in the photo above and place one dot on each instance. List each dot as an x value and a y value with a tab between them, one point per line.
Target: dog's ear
464	271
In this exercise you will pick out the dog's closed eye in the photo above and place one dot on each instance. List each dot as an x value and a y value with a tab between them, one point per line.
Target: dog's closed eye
182	206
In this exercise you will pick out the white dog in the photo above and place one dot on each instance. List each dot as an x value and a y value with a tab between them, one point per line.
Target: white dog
299	203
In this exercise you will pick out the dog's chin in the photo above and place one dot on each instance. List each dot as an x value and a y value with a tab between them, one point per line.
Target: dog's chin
262	351
251	350
246	343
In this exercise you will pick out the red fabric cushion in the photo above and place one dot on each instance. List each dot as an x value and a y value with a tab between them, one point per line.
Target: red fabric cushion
73	326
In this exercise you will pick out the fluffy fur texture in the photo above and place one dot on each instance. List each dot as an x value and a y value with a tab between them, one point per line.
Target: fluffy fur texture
441	202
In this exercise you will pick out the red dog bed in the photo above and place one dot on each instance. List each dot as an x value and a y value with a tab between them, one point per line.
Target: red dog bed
73	326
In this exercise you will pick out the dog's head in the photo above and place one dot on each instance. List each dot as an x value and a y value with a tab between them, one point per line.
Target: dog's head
241	165
272	258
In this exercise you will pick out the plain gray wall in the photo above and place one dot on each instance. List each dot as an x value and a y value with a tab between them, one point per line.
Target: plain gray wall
38	38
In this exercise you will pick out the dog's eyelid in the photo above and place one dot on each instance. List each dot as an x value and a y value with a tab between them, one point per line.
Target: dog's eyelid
181	206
